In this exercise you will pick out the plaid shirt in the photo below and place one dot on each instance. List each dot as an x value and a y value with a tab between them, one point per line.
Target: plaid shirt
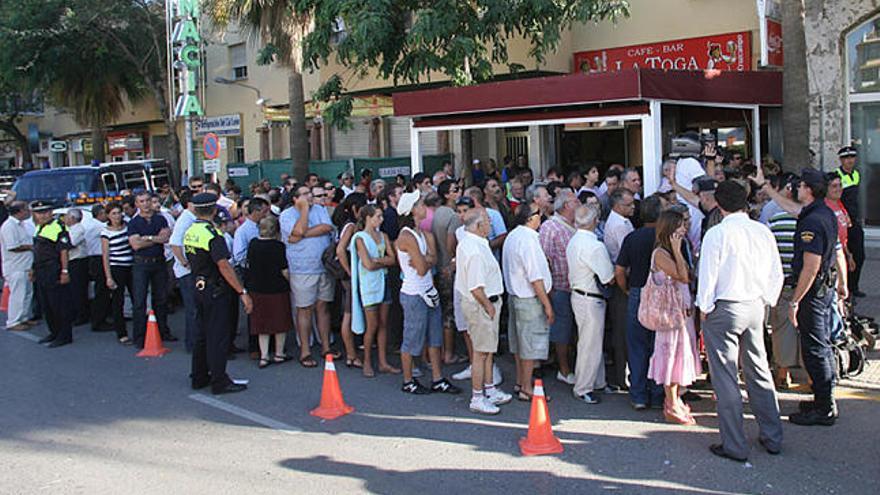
555	234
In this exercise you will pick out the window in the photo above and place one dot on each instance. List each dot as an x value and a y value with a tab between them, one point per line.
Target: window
238	61
235	145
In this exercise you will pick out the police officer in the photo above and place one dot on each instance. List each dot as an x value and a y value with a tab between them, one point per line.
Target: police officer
819	269
851	180
51	276
216	288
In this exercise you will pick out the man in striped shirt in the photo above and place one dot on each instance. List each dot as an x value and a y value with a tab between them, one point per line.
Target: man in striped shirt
786	349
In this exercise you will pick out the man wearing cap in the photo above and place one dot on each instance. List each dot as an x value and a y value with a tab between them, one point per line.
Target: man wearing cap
51	274
850	179
819	269
216	285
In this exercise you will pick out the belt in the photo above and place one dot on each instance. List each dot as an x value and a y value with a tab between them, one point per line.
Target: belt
148	259
588	294
494	299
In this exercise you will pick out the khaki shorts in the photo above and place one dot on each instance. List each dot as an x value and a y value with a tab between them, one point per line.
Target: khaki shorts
482	330
307	289
527	330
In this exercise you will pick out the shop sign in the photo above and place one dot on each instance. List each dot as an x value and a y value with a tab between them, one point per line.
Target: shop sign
770	30
774	43
730	51
222	125
187	41
58	146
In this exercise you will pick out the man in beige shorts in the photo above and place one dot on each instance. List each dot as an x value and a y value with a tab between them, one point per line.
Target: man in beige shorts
479	284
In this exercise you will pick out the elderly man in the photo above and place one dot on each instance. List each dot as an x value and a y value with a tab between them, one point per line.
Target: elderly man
307	229
588	266
618	225
732	299
376	188
528	281
17	241
632	182
479	284
554	235
539	197
78	265
257	209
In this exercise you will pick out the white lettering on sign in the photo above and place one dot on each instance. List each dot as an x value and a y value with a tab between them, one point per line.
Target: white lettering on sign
238	172
222	125
211	166
393	171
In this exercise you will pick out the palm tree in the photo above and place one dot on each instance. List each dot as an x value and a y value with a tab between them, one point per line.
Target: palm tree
281	30
795	89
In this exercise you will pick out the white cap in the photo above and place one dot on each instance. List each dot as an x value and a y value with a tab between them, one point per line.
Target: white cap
407	201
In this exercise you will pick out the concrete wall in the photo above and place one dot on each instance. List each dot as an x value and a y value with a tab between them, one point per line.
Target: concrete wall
826	27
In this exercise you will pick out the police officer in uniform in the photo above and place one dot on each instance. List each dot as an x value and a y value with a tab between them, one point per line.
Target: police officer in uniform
819	269
51	278
217	288
851	180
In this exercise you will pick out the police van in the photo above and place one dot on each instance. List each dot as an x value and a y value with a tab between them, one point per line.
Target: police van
89	184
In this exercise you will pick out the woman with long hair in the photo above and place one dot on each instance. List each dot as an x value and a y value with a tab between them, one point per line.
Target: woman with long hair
117	257
676	359
345	220
371	255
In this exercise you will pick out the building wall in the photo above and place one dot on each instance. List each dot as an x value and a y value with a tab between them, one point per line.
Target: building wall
825	31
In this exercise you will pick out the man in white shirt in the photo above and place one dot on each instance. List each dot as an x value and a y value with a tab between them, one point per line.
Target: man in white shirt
479	285
618	225
100	305
182	273
528	281
740	274
17	241
588	262
78	264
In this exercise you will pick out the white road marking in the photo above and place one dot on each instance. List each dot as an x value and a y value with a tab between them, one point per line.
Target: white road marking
244	413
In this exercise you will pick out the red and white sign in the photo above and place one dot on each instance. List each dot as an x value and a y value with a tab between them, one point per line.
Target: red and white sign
774	43
731	51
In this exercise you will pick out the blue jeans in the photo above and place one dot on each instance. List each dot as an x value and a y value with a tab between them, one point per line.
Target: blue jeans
152	274
640	347
188	294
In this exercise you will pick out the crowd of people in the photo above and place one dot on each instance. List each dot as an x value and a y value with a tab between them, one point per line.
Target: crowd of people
585	274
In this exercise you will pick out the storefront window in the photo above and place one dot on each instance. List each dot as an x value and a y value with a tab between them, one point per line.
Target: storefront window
863	84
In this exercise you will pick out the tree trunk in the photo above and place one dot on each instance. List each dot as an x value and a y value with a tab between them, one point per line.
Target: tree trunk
98	143
795	89
8	126
299	138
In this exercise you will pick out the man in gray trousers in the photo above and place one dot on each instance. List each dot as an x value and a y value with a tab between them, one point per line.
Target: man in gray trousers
740	273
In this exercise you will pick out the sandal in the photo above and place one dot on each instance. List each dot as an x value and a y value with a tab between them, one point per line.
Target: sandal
278	359
263	363
125	340
308	362
524	396
353	363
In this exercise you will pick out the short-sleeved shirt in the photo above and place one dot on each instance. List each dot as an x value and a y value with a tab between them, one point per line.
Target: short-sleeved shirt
843	220
143	227
588	260
783	226
183	223
266	259
205	247
523	262
50	239
14	234
445	222
635	254
555	234
247	232
304	257
816	233
476	267
119	251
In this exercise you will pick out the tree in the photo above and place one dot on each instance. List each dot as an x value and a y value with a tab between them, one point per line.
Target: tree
281	26
795	88
13	105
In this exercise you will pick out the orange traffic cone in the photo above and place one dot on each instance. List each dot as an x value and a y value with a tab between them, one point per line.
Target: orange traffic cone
332	405
153	346
540	439
4	300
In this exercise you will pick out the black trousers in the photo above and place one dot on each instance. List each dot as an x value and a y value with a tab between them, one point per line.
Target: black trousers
100	305
212	338
151	275
122	276
814	326
79	289
54	299
856	244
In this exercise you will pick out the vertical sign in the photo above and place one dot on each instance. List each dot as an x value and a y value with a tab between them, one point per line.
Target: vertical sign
770	28
185	43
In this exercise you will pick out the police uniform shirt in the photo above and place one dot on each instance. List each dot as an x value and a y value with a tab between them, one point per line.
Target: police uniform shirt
816	233
49	240
205	247
850	197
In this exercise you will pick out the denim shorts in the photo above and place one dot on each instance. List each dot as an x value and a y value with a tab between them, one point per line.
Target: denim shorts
563	321
420	323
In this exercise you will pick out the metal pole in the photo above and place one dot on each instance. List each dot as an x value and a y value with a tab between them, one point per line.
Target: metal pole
188	137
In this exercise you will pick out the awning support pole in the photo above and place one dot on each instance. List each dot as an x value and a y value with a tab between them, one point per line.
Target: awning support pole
756	135
652	148
414	151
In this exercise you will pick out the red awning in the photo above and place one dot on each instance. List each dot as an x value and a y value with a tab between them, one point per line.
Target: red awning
727	87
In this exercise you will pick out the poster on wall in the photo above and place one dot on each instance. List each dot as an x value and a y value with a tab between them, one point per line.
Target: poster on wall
730	51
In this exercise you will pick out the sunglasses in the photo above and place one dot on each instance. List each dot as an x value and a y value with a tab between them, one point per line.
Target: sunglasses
318	195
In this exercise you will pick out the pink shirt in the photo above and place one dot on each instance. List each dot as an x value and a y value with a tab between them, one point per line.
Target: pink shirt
555	234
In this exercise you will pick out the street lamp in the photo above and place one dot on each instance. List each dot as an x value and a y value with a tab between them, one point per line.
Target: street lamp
260	100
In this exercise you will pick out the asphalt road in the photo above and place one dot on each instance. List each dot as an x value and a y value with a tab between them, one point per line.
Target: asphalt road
93	418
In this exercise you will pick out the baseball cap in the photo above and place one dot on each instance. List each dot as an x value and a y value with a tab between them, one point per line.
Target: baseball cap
813	177
407	201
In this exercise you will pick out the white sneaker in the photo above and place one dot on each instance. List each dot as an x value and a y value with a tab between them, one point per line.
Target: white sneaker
482	405
497	379
464	374
498	396
567	379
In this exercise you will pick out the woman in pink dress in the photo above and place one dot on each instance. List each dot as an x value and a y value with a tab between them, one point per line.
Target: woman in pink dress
676	359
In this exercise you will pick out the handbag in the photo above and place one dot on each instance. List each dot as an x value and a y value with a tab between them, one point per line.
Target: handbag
661	307
332	265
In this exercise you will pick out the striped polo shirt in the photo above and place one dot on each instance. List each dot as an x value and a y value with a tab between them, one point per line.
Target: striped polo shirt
120	250
783	226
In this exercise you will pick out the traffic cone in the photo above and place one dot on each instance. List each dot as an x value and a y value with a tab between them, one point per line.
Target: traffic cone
4	300
332	405
540	439
153	346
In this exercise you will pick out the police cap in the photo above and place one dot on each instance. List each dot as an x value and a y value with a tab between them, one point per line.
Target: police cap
813	177
204	200
847	151
42	205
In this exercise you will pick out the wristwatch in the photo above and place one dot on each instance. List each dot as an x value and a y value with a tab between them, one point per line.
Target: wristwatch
794	304
243	292
64	270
